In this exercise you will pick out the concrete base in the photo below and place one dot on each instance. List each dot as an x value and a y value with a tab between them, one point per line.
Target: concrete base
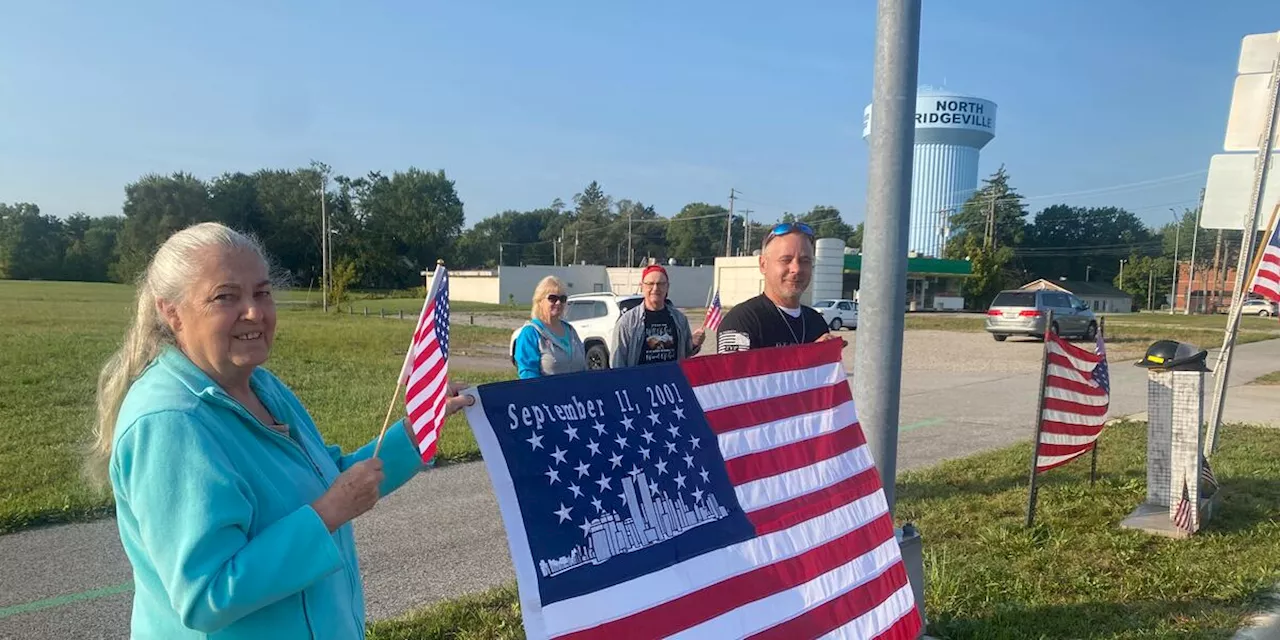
913	558
1154	518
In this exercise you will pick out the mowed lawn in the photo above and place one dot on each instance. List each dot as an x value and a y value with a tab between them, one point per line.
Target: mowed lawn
56	336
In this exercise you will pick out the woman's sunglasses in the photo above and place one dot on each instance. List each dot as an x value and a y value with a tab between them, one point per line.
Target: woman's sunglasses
554	298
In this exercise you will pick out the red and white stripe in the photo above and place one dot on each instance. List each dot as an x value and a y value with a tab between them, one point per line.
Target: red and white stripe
825	561
1266	282
425	376
1075	406
714	314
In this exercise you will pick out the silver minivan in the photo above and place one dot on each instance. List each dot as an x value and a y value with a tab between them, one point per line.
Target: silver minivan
1018	312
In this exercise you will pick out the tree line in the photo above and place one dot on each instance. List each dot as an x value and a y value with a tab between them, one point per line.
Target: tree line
384	229
1007	248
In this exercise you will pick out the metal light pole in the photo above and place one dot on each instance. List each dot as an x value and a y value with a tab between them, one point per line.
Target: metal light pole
1122	261
1195	240
878	361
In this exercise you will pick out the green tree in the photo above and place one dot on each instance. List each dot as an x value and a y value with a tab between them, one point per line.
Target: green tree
154	208
1141	273
648	233
32	245
697	233
1082	243
90	247
407	222
991	272
994	197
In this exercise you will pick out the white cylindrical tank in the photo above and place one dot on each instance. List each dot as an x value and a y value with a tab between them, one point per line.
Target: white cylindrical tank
828	269
951	129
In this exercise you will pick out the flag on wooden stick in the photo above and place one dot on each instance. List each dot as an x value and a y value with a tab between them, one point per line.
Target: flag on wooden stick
426	366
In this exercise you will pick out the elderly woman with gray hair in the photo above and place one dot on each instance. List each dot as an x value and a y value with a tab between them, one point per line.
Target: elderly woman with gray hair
234	512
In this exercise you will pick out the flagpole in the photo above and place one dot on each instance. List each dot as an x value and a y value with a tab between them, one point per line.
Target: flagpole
408	358
1035	442
1093	464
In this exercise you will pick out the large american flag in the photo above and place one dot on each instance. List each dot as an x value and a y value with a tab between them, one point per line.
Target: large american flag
426	366
725	496
1077	396
714	314
1266	281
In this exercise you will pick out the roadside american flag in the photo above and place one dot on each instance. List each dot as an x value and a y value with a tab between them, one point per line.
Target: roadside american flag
725	496
426	366
714	314
1206	474
1077	394
1182	515
1266	281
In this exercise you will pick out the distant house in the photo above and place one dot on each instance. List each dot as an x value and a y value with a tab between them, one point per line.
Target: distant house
1101	297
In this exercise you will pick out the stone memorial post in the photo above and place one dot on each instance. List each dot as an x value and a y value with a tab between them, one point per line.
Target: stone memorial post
1178	501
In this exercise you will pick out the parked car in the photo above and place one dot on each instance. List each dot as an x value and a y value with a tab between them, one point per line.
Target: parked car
1258	307
593	316
1018	312
838	313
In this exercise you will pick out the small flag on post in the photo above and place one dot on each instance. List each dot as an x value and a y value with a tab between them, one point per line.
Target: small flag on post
426	366
1077	398
714	314
1182	516
1206	474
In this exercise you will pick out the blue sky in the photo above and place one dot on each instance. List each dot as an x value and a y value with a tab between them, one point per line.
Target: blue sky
661	101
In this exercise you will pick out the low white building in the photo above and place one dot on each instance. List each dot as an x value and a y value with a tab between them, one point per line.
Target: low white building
690	286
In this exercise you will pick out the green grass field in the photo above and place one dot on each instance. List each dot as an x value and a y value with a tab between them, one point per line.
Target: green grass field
1272	378
57	335
1076	574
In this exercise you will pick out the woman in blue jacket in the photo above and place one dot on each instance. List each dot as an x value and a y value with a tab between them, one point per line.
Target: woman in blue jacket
547	345
233	511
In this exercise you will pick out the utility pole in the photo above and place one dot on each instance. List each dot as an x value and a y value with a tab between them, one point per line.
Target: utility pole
1195	240
631	256
728	226
1216	276
1151	288
989	241
499	254
746	231
1177	239
324	245
1122	261
575	246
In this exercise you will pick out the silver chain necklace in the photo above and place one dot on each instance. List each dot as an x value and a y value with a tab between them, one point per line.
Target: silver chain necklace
804	323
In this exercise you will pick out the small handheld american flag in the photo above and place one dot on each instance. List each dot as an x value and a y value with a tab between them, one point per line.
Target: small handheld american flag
714	314
426	367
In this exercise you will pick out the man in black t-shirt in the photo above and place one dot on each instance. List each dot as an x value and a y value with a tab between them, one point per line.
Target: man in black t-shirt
776	318
655	331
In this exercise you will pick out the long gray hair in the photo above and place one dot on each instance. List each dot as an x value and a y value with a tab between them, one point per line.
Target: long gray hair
165	278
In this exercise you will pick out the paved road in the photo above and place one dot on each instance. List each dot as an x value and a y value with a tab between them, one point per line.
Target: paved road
441	536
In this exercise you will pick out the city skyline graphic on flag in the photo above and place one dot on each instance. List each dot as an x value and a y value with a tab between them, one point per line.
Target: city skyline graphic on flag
612	488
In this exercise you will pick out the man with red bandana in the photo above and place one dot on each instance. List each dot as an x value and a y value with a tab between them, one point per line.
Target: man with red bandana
655	331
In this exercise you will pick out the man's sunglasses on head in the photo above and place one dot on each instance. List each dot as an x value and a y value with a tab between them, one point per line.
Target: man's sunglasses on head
784	228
